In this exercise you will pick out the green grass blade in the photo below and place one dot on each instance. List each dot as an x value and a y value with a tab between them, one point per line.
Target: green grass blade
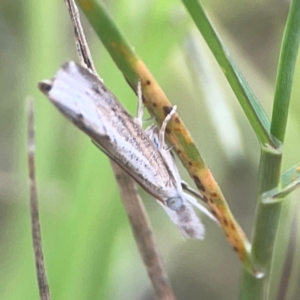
265	228
111	38
158	105
252	108
267	216
290	180
285	73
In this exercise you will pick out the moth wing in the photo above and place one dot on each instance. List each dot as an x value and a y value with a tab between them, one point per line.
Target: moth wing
68	91
124	168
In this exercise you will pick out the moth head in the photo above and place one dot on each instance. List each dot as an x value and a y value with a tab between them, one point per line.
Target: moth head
45	86
175	203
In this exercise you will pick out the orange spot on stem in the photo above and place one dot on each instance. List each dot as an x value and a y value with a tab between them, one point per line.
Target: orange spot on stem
87	5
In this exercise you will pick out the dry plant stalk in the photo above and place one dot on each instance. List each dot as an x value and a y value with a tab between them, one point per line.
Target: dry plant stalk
34	209
133	205
143	234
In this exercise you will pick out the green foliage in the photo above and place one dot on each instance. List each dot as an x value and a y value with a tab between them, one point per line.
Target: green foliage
89	251
251	106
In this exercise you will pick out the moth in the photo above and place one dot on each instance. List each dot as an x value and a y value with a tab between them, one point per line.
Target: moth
85	100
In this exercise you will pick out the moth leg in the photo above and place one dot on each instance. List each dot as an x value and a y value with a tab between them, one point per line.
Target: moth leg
203	209
189	189
140	107
161	134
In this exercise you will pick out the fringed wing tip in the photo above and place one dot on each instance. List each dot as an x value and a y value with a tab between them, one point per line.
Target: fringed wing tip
187	221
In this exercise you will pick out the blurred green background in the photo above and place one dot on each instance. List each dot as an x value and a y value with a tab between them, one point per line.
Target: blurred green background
88	245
